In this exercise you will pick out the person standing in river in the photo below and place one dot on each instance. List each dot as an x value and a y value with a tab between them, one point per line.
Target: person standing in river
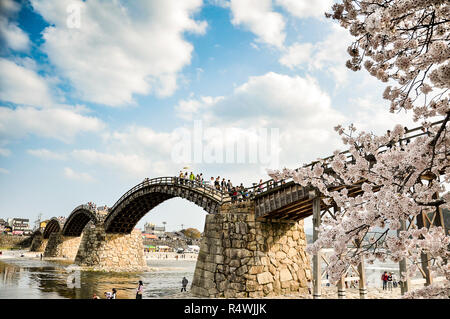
139	290
184	283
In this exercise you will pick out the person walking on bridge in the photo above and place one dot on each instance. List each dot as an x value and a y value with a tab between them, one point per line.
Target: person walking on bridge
192	178
181	176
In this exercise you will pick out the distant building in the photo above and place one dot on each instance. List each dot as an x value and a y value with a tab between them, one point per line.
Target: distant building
152	229
19	224
43	224
3	222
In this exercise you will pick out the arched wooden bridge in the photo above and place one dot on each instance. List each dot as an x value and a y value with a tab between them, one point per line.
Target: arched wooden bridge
270	201
285	200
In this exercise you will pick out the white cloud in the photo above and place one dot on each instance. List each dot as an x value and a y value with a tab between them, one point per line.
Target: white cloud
20	85
5	152
297	106
11	36
3	171
119	50
297	55
58	123
185	109
370	114
71	174
305	8
46	154
219	3
270	100
328	55
125	163
258	16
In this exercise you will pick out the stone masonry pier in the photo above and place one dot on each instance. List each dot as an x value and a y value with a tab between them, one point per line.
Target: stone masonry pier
39	243
111	252
242	257
62	246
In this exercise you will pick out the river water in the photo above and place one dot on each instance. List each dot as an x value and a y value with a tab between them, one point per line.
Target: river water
22	277
36	279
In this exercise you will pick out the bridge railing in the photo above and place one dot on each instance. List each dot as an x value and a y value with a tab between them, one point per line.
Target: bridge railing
201	187
269	185
256	189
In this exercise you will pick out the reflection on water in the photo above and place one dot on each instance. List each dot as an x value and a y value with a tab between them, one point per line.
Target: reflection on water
30	278
34	278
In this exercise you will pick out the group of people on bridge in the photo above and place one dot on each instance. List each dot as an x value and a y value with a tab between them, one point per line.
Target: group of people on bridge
236	193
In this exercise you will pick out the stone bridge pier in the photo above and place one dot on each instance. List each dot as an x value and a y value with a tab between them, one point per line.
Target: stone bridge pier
59	245
39	243
111	252
244	257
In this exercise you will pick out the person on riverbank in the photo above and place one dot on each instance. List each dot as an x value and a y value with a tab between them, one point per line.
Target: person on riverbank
114	293
184	283
95	297
384	279
139	290
107	295
389	282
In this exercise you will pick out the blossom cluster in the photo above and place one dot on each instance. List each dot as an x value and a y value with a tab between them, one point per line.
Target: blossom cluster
404	42
401	180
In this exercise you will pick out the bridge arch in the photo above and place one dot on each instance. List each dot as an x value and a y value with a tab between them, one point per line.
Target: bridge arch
138	201
53	226
78	219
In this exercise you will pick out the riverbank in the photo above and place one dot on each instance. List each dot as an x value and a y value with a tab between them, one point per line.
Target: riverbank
14	242
327	293
170	256
16	253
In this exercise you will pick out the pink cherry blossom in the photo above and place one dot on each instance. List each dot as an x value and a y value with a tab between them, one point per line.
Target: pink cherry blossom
405	42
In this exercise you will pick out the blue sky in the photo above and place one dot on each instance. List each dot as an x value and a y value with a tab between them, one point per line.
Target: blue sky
93	95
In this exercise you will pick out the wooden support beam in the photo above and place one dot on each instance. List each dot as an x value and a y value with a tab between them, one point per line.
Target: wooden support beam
404	278
362	279
317	278
341	287
421	221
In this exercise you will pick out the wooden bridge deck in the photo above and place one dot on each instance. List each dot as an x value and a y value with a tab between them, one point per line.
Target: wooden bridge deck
290	201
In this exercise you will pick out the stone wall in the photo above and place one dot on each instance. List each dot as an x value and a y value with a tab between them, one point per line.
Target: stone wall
62	246
111	252
39	243
242	257
14	242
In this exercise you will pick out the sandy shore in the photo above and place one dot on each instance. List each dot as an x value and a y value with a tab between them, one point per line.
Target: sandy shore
327	293
8	254
170	256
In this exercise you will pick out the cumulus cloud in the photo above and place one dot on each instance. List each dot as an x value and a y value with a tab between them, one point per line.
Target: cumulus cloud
57	123
11	36
120	50
21	85
306	9
5	152
46	154
125	163
295	105
71	174
271	100
258	17
328	55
